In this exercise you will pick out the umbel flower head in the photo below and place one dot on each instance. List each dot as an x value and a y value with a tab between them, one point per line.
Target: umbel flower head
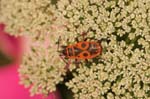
123	69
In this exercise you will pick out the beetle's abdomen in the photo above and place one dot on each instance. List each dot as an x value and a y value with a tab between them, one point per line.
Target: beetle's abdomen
83	50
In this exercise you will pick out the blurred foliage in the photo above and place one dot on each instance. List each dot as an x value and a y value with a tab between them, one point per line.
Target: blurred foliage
4	59
65	92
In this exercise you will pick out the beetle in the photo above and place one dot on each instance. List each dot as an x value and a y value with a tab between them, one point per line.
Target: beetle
82	50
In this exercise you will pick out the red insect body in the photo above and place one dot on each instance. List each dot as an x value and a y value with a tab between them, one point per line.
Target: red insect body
83	50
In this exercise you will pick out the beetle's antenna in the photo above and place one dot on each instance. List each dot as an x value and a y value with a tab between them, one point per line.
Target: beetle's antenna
58	42
77	40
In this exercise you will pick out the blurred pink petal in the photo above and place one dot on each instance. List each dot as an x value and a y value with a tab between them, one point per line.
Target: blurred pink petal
9	79
10	45
10	88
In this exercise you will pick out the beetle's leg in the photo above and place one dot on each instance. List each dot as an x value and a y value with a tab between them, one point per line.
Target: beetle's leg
85	39
77	62
61	56
99	42
77	40
86	60
67	62
83	35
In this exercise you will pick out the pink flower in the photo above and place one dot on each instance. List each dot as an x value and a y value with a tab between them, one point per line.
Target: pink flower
10	46
9	83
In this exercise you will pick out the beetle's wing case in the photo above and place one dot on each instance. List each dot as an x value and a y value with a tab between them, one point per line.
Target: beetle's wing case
77	51
93	48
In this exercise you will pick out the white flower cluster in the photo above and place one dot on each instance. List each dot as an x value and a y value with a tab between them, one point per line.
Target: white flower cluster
42	68
123	69
123	26
26	16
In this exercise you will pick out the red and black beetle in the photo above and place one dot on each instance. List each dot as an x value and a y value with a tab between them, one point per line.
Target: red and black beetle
82	50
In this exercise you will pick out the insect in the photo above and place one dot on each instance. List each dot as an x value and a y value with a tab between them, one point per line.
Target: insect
82	50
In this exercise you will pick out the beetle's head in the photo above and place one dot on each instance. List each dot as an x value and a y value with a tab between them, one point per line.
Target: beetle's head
63	51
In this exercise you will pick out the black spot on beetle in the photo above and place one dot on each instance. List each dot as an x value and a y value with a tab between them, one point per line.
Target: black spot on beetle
85	54
83	45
